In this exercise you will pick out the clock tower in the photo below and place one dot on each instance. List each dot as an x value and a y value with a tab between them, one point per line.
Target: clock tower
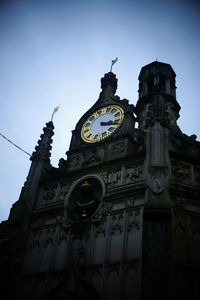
120	217
105	132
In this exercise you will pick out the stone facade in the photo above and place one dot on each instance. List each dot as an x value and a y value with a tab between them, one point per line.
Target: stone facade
136	233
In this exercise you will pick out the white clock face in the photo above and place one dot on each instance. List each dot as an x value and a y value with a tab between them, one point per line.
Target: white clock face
102	123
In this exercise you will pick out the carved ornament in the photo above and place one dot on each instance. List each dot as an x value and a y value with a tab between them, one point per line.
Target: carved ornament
36	239
133	174
74	161
104	176
133	220
157	179
117	223
49	194
63	191
181	174
118	148
114	178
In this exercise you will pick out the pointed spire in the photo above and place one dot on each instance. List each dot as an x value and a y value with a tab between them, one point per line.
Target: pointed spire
43	148
109	84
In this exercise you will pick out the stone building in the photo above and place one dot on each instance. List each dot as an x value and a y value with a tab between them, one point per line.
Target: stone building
120	217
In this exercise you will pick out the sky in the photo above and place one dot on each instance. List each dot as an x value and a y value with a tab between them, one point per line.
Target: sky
55	53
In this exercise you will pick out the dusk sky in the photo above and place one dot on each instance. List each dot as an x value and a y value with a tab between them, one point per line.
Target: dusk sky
55	53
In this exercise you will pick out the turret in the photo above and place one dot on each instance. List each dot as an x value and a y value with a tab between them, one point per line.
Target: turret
157	75
157	95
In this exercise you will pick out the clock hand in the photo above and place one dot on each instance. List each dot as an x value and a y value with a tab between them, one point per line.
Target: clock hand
107	123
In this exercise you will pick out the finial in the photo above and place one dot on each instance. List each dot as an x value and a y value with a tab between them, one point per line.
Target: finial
54	111
113	62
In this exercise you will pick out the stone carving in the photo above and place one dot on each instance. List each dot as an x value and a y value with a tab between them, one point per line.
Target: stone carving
49	236
49	194
59	218
62	236
180	201
157	113
79	258
133	220
117	148
117	223
180	222
92	158
131	267
130	202
75	286
104	176
101	228
74	161
63	191
114	178
133	174
157	179
113	269
180	174
104	209
36	239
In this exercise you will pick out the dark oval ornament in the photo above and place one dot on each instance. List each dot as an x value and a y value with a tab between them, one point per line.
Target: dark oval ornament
84	198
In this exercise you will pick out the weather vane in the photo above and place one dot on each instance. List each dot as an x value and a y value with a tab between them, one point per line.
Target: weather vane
54	111
113	62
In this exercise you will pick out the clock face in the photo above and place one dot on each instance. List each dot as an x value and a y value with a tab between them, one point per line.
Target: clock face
87	203
102	123
84	198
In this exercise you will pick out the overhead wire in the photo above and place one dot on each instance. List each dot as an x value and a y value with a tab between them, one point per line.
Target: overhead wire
14	144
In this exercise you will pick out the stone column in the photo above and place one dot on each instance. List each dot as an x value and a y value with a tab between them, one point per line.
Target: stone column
157	219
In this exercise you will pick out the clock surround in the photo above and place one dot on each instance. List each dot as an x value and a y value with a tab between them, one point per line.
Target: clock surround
102	123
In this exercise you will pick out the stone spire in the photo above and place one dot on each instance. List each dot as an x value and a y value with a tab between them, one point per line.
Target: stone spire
43	148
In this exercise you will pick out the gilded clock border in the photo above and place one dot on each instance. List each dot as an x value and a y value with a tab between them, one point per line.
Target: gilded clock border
93	138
